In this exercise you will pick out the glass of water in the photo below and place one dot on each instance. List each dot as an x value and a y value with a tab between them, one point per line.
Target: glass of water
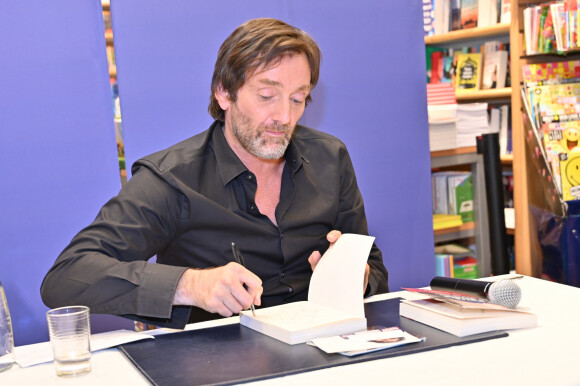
70	336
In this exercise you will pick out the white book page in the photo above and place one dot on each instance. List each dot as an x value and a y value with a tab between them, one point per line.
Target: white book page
337	282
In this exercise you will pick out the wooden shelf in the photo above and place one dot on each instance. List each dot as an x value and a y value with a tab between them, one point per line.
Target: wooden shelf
507	159
468	34
461	228
484	95
457	151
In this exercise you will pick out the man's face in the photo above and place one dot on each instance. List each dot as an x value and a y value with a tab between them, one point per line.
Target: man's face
268	107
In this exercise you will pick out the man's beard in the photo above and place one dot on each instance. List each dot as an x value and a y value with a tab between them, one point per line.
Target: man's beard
254	139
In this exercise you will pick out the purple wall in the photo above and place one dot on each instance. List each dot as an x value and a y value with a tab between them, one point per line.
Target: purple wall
58	148
371	94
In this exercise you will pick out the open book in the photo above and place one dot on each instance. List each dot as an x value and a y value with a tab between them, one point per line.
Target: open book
464	315
335	298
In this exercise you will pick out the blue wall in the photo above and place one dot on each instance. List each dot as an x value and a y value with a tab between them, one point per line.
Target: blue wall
371	94
58	150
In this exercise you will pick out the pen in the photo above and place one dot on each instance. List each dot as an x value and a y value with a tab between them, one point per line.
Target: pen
239	258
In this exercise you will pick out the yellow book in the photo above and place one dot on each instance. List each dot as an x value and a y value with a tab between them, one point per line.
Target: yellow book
570	174
443	221
468	72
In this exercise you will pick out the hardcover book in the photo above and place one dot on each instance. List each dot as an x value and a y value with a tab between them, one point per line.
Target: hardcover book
468	71
335	298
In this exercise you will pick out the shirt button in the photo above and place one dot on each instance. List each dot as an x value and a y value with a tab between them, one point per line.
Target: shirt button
252	207
290	289
282	274
249	177
282	235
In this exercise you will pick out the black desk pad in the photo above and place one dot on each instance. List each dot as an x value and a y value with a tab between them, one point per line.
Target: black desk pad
236	354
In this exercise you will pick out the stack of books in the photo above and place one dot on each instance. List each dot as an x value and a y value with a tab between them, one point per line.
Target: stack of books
442	112
464	315
444	221
472	121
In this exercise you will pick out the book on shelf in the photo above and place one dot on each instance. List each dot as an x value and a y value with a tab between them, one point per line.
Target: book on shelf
454	260
460	195
444	265
465	267
468	72
335	298
551	27
472	121
455	15
469	9
494	69
442	113
444	221
464	315
505	13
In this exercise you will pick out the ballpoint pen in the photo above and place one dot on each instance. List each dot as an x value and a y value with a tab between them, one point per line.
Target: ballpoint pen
239	258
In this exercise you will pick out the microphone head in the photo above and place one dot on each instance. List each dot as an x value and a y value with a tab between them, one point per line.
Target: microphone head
505	292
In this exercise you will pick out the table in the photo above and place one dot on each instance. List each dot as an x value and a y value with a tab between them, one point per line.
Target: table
546	355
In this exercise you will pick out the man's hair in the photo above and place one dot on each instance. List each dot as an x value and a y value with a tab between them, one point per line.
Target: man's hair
258	43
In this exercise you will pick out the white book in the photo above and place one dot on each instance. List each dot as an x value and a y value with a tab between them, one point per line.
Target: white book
335	303
503	130
495	69
464	321
483	13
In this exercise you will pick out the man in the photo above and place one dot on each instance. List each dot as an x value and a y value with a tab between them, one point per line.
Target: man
277	189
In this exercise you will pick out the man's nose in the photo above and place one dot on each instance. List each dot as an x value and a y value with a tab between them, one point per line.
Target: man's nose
282	112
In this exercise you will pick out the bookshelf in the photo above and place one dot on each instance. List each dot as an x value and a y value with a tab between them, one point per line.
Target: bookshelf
479	229
528	189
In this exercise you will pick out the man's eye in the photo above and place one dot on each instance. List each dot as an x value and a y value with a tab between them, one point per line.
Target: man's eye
297	101
265	98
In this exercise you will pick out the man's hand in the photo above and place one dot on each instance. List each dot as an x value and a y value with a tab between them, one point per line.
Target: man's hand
315	256
219	290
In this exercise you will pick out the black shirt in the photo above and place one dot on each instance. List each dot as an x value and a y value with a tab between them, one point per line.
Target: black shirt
187	204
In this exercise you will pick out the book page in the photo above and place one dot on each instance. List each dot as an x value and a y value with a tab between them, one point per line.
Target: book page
337	282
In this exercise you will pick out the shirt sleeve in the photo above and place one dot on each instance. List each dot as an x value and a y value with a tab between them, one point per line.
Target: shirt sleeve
352	219
106	268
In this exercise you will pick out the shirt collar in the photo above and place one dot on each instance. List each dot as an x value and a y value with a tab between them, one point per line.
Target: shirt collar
230	165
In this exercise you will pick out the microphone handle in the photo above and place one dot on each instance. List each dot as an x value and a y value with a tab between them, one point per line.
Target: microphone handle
476	288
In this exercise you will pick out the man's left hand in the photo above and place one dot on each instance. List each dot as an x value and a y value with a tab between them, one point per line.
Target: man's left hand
315	256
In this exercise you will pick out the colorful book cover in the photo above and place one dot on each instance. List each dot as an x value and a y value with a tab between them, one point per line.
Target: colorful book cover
468	71
559	138
468	13
548	31
465	268
455	19
570	174
461	196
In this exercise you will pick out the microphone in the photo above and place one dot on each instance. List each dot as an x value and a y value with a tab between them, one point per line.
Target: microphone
505	292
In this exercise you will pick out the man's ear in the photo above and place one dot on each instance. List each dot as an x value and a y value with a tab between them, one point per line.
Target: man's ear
223	98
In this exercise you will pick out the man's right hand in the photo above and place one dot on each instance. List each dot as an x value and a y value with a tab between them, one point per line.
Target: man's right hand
219	290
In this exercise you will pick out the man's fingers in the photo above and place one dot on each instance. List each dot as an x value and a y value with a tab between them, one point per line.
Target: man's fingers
314	259
333	235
